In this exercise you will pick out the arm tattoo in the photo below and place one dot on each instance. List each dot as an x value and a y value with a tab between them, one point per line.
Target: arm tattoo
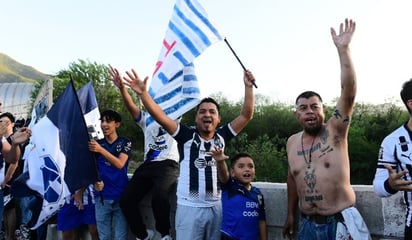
337	115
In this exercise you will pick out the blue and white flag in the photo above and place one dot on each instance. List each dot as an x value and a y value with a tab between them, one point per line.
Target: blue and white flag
90	110
174	85
59	161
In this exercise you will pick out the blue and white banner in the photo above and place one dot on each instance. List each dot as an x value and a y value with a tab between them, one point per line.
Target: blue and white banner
174	85
59	161
90	110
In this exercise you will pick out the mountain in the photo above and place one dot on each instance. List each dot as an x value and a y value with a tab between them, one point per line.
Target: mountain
13	71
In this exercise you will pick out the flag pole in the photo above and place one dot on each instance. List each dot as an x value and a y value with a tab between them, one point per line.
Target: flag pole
241	64
85	124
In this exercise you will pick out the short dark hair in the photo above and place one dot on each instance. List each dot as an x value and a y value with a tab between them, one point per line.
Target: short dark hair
307	95
237	156
406	93
9	116
110	115
208	100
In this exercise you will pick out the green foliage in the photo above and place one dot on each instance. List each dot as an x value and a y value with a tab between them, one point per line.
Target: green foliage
370	125
264	137
270	163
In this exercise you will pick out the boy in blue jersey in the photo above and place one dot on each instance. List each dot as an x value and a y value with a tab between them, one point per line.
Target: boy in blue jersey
244	216
112	153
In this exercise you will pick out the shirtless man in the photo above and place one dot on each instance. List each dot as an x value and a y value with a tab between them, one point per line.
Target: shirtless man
319	176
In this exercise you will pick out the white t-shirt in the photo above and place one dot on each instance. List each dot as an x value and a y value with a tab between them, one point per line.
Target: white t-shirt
159	145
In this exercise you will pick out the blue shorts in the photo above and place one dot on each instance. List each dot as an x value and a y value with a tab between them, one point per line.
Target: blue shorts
70	217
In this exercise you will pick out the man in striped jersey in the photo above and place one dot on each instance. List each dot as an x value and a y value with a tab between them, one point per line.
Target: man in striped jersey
393	172
199	211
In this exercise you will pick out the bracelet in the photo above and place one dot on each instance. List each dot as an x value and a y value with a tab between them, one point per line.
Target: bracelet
10	139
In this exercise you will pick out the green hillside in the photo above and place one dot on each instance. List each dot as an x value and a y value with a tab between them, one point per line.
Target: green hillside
13	71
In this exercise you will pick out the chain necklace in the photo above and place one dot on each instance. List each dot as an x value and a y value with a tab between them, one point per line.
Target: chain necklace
307	161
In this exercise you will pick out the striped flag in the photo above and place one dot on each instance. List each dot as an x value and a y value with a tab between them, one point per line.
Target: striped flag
174	85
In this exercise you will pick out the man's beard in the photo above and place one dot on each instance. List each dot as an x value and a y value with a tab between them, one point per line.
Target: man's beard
313	131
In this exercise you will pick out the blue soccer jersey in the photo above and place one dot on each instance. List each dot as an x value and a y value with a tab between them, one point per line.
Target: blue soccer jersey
114	179
242	211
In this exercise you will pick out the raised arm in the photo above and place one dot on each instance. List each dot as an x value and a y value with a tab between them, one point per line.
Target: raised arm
140	87
346	101
248	105
116	78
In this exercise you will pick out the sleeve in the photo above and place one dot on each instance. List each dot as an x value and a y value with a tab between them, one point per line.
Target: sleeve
387	153
127	146
262	210
141	119
226	132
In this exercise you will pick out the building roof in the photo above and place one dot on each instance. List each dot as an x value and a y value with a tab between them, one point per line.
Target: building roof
16	98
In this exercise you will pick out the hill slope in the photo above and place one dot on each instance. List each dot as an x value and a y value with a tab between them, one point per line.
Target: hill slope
13	71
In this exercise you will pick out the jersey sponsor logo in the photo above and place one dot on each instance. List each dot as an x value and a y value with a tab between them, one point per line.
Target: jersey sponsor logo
252	212
157	147
201	163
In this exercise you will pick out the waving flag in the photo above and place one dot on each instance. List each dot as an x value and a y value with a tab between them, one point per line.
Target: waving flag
59	161
174	85
90	110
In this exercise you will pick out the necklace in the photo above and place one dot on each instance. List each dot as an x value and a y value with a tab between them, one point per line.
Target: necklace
307	161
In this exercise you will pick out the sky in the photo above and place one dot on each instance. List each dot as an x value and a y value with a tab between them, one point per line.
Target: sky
285	43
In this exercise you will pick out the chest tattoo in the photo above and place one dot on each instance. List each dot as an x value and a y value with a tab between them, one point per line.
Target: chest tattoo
310	180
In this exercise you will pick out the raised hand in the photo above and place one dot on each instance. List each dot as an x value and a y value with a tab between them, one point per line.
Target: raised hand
248	78
115	77
134	82
21	136
346	31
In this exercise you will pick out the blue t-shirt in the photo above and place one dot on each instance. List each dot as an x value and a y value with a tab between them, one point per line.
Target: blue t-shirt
114	179
242	211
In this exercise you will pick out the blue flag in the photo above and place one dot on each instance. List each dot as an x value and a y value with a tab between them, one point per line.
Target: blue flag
58	159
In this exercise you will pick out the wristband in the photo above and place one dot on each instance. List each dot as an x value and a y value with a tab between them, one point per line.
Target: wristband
10	139
388	187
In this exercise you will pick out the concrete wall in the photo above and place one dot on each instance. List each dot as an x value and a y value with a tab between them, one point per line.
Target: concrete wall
384	216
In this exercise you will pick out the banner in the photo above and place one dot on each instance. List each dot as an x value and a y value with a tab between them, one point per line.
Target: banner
58	160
